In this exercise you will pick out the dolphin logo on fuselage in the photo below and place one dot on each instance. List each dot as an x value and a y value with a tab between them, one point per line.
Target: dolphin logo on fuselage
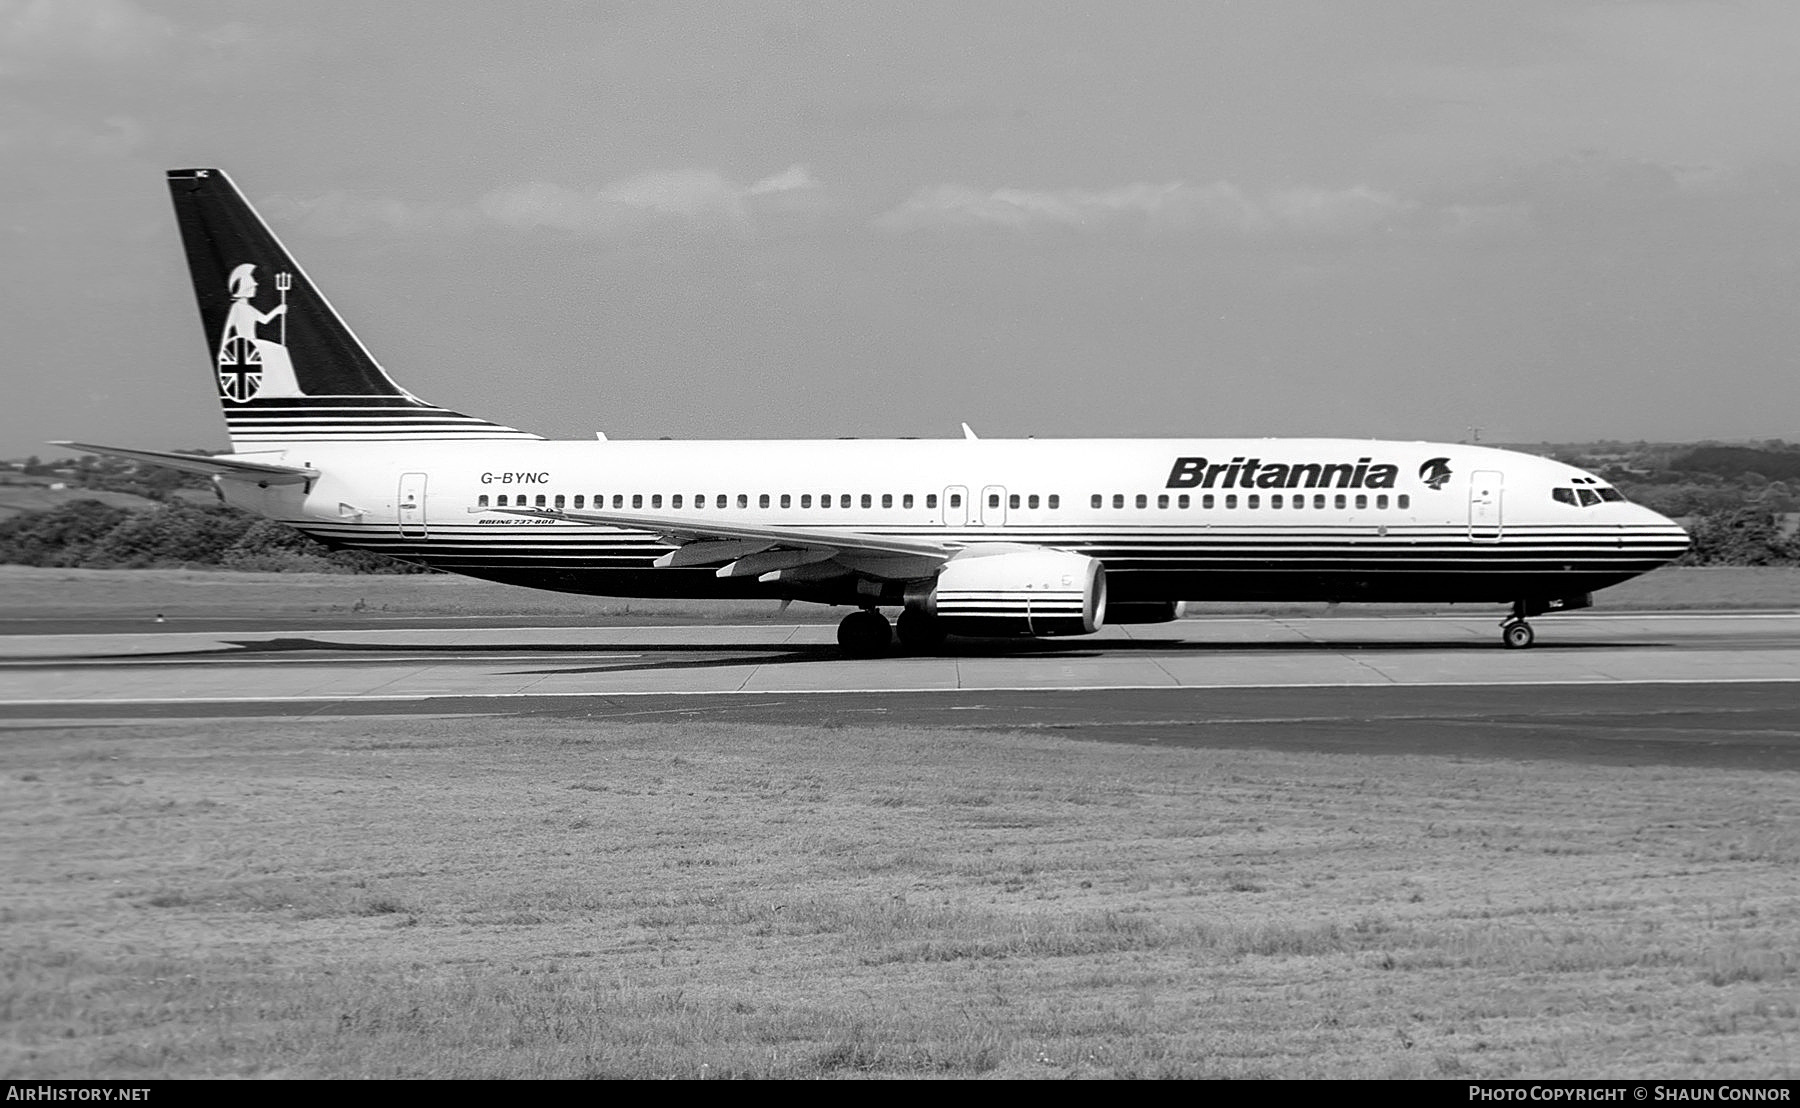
1435	473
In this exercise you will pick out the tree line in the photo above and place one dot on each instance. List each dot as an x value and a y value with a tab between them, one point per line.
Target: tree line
87	534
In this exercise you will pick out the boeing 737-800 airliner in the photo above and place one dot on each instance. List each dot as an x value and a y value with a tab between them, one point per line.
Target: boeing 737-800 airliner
965	536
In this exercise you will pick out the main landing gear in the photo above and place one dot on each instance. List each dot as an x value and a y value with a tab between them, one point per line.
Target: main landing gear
865	633
1515	633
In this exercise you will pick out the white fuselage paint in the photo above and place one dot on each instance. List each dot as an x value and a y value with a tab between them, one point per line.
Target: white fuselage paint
1492	530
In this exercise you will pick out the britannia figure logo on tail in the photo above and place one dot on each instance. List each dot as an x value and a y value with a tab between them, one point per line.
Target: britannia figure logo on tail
250	365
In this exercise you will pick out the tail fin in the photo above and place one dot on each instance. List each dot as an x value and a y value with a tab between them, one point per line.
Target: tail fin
288	369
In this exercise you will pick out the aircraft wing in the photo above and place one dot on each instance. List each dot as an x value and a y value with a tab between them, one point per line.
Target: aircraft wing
267	472
753	549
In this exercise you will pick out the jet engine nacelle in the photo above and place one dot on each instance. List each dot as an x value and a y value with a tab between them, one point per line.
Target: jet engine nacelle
1018	590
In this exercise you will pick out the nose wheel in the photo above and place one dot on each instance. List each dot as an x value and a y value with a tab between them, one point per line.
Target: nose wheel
1516	634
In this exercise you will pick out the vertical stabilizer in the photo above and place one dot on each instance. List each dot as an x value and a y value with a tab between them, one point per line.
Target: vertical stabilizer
286	366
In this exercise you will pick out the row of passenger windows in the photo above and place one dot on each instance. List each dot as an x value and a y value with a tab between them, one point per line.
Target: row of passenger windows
724	500
1255	500
1052	501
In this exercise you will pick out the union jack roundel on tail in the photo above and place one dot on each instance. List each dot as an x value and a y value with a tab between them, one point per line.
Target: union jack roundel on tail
240	369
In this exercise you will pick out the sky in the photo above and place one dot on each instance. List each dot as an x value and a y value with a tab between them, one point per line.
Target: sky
1526	220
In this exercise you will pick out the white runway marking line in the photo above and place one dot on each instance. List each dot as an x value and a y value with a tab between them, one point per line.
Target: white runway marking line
417	697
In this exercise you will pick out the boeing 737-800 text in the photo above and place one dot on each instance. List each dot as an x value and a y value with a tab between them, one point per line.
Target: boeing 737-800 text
965	536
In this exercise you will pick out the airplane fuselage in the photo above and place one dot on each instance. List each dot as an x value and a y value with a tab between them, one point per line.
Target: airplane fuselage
1170	519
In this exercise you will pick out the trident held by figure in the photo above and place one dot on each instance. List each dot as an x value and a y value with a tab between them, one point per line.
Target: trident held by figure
284	281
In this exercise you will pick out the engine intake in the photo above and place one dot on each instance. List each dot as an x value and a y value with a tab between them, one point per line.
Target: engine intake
1019	591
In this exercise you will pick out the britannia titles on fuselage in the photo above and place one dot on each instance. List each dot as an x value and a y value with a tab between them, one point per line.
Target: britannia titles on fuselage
1254	473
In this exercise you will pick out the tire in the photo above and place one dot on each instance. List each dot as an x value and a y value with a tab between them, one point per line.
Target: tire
918	632
865	634
1517	636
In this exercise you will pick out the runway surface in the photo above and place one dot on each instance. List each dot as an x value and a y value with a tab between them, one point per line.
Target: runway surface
1701	689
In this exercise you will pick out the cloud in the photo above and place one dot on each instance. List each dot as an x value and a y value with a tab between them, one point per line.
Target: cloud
1220	208
42	36
694	200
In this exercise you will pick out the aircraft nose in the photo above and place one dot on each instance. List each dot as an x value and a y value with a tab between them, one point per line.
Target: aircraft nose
1672	535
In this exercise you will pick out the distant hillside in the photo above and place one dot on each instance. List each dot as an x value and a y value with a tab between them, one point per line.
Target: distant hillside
1735	461
36	496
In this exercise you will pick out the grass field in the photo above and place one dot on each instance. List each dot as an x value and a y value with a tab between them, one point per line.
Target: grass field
560	897
547	896
28	592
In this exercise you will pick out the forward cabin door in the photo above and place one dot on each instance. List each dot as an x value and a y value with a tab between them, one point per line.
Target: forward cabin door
1485	492
412	505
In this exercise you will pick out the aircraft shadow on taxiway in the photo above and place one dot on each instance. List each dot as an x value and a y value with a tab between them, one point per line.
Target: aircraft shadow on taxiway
640	657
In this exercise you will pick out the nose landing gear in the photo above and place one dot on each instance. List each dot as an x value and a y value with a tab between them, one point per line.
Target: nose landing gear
1516	634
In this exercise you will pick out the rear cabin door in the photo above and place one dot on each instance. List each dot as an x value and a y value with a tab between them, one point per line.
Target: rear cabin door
1485	494
412	505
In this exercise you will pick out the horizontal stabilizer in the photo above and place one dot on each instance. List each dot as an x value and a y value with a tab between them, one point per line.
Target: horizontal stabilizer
267	472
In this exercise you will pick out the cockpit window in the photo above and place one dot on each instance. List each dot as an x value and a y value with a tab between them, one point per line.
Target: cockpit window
1563	496
1589	497
1611	494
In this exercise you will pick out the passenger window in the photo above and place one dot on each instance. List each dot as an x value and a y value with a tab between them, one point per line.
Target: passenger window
993	500
743	500
637	500
931	500
1405	501
1318	500
1275	500
1362	501
806	500
719	501
656	500
1231	500
674	501
1055	501
1252	501
956	500
1162	500
482	501
824	500
887	500
844	500
618	500
762	501
1118	500
1206	501
1182	501
558	502
1339	500
867	501
786	500
906	500
1381	501
1094	501
540	500
1143	501
1013	500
